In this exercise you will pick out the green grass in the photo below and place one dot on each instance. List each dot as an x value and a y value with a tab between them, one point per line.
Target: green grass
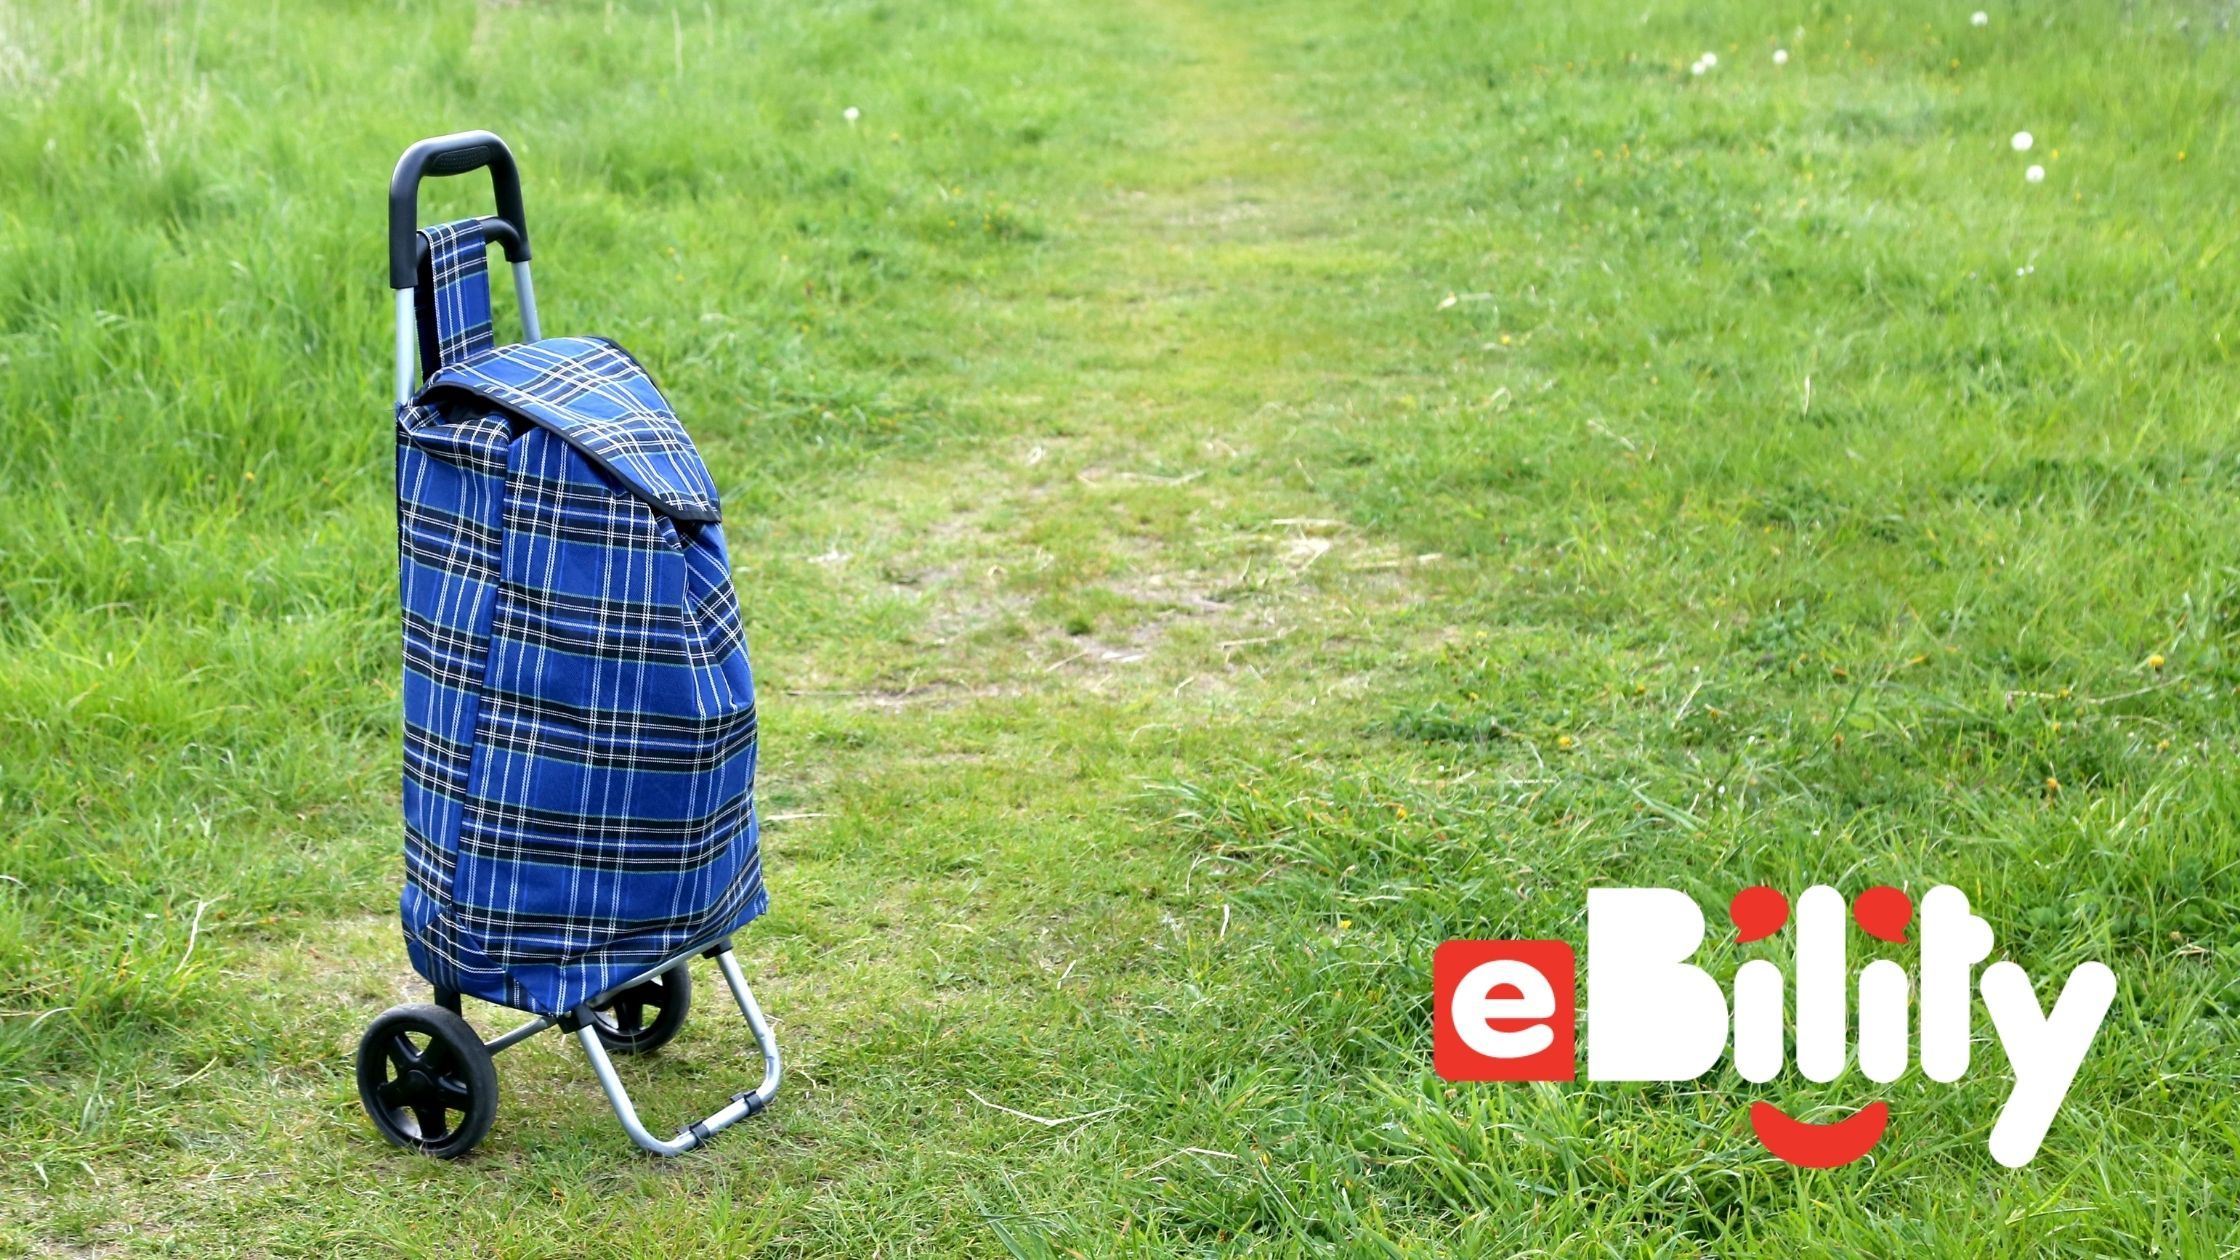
1174	615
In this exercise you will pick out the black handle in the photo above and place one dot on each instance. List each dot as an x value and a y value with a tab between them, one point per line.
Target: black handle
451	155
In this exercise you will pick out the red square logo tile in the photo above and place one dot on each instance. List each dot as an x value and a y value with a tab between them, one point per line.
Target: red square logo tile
1504	1011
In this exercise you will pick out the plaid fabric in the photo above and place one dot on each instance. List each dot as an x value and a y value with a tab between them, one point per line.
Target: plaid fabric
596	396
453	295
580	731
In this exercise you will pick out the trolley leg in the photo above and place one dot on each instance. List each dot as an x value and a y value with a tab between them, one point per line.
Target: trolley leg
408	338
741	1105
525	296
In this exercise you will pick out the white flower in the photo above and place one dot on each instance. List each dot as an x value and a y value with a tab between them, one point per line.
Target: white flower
1710	59
1979	18
851	113
2036	174
2022	141
1698	68
1781	56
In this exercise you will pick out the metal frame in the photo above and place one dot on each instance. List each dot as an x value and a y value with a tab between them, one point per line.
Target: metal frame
741	1105
580	1023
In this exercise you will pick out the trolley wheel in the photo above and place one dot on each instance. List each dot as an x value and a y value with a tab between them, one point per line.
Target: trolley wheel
645	1017
427	1081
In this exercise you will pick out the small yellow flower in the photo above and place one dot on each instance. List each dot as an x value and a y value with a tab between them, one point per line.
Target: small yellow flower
2156	661
1343	924
1565	741
2052	784
2181	155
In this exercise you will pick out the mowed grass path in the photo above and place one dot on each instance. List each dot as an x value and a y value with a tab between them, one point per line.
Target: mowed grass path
1228	496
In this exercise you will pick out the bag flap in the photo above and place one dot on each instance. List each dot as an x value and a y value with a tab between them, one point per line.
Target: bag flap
594	396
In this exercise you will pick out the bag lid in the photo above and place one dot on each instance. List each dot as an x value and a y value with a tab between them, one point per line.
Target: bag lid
593	395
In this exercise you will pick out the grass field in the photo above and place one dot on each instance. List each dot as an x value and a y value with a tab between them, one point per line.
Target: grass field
1227	496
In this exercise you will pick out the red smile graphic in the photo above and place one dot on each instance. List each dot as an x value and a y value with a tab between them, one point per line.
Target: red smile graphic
1819	1145
1759	912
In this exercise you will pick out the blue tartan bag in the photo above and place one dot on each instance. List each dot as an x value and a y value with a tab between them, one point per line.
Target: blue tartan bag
579	715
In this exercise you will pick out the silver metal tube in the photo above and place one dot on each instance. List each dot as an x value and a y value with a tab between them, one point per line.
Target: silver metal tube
407	333
518	1035
619	1099
739	1108
526	297
771	1069
613	991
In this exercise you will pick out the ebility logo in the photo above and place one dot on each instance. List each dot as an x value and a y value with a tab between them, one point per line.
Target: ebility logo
1503	1010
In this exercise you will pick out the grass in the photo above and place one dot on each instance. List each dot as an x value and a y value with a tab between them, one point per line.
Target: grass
1229	495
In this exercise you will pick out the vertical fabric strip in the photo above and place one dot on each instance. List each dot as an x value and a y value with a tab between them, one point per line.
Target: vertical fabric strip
453	296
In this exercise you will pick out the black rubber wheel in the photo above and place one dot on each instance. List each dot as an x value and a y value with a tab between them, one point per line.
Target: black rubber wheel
427	1081
647	1017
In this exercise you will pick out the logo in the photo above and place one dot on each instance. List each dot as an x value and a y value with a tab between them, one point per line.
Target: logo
1503	1009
